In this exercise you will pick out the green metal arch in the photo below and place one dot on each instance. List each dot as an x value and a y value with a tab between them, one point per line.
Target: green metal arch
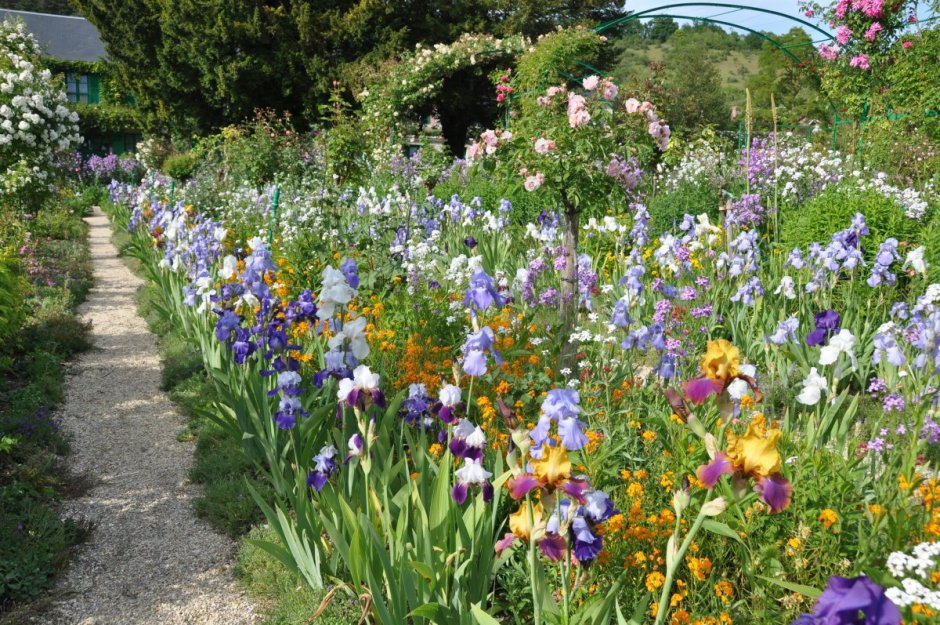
711	20
720	5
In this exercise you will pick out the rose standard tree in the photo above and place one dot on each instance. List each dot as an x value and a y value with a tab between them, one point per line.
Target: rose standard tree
35	123
583	145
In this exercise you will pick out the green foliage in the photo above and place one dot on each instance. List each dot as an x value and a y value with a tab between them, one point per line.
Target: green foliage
57	7
832	211
794	85
913	85
36	542
667	208
391	103
906	149
555	55
181	166
199	65
106	119
35	340
660	28
930	239
12	290
480	184
345	141
284	596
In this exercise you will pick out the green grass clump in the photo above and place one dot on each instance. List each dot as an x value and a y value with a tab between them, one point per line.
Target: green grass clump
286	599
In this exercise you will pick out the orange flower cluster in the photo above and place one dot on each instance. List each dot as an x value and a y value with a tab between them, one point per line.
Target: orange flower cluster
423	362
929	495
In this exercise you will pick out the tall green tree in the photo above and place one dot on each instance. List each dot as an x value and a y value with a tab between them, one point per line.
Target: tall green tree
795	85
196	65
661	28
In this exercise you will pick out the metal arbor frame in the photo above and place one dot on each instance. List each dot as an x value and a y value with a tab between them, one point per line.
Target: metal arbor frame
732	8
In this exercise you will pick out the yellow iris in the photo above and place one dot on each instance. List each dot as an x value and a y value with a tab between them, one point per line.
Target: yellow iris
753	453
519	523
721	360
553	467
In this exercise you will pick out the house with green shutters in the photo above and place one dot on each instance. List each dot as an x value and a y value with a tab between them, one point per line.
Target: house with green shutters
72	49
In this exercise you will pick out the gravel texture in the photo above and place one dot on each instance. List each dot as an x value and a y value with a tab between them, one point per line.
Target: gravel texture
148	560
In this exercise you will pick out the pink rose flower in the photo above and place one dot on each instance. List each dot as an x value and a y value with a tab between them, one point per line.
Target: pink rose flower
544	146
873	31
534	182
843	35
860	61
632	105
591	82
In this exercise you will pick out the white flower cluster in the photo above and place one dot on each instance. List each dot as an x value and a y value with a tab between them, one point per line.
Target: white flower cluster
701	163
912	570
35	121
914	205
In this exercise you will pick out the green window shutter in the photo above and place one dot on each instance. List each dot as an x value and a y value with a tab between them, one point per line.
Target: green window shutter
94	90
117	145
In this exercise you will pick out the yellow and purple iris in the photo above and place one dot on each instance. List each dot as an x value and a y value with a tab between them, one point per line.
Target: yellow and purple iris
551	472
753	456
720	366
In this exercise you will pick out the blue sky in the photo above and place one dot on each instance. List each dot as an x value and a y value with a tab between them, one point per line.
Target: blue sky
750	19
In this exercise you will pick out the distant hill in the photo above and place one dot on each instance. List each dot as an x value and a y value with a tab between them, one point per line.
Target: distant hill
57	7
735	66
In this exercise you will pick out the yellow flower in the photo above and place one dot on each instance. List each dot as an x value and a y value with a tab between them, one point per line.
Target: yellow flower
649	436
721	360
553	467
655	580
755	454
519	523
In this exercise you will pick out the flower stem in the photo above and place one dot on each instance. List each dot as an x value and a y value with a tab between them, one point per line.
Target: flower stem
673	565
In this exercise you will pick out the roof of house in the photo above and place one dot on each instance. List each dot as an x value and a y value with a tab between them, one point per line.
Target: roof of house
62	36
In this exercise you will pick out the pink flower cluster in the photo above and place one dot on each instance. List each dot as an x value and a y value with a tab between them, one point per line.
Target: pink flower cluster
657	129
532	180
578	114
607	88
873	9
488	143
551	92
503	89
860	61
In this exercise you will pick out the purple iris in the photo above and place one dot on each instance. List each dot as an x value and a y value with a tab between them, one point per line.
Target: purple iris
827	323
621	316
415	408
350	270
474	350
324	465
852	601
226	325
786	332
470	242
562	406
482	292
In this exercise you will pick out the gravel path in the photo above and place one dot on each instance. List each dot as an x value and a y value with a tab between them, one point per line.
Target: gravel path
149	560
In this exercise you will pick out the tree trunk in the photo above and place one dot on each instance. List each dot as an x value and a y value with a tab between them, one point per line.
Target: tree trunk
569	287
